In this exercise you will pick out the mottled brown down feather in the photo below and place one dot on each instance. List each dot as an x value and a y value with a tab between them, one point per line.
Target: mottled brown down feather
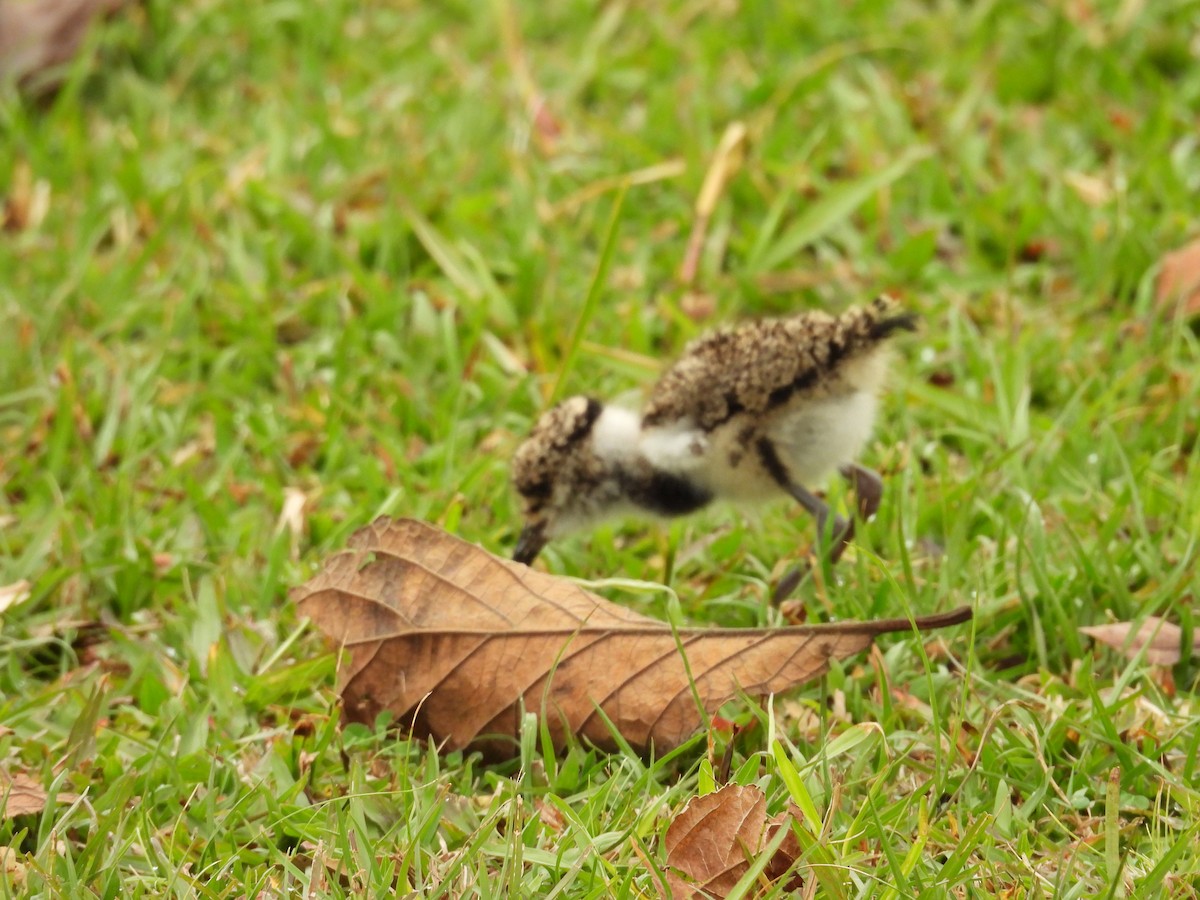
756	366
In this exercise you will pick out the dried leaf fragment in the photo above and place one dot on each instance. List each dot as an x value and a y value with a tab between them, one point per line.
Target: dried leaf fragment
36	35
726	161
1091	190
12	867
14	594
713	842
456	643
1179	280
1162	640
22	795
28	198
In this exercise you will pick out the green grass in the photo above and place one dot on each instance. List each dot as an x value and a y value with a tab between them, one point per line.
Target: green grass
317	248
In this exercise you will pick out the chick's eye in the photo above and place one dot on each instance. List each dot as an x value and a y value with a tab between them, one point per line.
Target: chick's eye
535	489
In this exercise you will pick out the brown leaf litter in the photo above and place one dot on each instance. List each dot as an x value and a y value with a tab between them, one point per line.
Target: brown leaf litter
456	643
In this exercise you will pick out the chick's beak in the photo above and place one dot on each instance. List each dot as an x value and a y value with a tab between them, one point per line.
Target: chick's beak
530	543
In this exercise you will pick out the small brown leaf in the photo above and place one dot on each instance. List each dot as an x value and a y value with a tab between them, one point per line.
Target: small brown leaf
715	839
1162	639
546	127
1037	249
455	642
1179	280
550	815
39	34
22	795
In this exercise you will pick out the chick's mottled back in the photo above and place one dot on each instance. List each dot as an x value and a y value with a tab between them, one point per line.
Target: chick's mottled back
757	366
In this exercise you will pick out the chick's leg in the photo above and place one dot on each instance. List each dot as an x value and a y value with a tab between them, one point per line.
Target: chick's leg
868	488
814	505
868	493
819	510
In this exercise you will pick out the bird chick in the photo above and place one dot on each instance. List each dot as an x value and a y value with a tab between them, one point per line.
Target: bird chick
744	415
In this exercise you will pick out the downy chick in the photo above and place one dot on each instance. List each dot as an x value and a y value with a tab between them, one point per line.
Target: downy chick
746	414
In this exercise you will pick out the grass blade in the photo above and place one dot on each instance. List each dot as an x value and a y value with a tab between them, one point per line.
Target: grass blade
833	209
599	280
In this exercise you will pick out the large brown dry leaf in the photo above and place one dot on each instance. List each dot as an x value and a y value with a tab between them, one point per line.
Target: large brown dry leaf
21	795
1179	280
455	641
1162	639
712	843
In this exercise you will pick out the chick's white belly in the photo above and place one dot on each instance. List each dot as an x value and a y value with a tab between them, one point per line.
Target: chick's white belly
733	470
821	436
811	440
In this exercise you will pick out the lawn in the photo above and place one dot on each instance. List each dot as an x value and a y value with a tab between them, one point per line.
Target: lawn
270	270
